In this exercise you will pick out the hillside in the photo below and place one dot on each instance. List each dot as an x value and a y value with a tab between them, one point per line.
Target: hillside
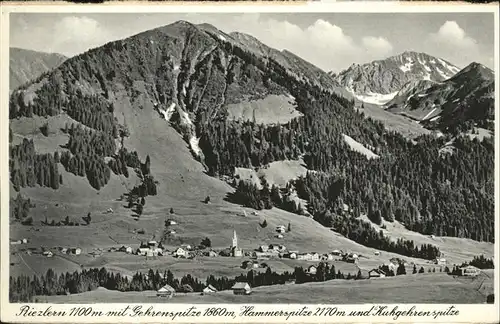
379	81
166	118
27	65
467	96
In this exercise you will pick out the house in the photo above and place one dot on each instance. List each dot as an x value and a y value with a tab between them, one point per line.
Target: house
24	241
315	256
156	251
274	247
48	254
16	242
377	253
304	256
186	247
281	229
64	250
292	255
350	257
209	290
263	248
211	253
392	266
165	291
180	252
126	249
152	243
440	261
279	236
142	251
171	222
171	232
376	273
75	251
311	270
469	271
241	288
336	252
327	257
290	282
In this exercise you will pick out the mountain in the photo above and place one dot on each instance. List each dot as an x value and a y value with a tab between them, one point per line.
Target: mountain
379	81
163	123
467	96
27	65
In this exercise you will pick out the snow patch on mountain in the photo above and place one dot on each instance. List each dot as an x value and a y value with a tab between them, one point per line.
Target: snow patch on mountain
374	98
407	66
358	147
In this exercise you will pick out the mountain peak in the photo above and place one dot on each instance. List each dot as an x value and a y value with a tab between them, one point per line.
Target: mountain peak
379	81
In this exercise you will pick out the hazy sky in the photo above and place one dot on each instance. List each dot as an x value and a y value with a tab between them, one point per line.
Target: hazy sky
332	41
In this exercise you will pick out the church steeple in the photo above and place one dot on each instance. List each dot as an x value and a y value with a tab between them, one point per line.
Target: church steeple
235	240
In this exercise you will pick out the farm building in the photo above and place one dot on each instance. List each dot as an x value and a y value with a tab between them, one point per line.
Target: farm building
377	253
469	271
209	290
327	257
64	250
279	236
126	249
281	229
152	243
75	251
211	253
440	261
16	242
180	252
311	270
171	222
376	273
263	248
24	241
315	256
351	258
48	254
336	252
165	291
292	255
142	251
304	256
186	247
241	288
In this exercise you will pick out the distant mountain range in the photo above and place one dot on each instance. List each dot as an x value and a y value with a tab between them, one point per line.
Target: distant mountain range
379	81
27	65
468	95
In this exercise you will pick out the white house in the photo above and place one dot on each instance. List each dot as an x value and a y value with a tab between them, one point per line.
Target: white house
279	236
209	290
336	252
312	270
48	254
292	255
263	248
180	252
165	291
241	288
440	261
304	256
315	256
171	222
24	241
376	273
75	251
142	251
469	271
152	243
281	229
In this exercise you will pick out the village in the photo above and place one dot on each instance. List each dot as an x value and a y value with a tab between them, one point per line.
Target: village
255	259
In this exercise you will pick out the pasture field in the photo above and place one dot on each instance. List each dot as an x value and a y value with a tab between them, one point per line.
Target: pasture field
415	289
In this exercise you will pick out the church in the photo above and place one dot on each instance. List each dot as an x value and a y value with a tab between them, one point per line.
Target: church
235	251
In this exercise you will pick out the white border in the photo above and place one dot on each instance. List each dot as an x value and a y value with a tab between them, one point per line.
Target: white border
468	313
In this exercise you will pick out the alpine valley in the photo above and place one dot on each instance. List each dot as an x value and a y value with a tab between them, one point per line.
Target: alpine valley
184	156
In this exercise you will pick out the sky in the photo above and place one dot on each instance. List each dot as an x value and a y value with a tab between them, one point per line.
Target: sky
331	41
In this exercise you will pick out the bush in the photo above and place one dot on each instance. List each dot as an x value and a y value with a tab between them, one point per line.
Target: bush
490	299
45	129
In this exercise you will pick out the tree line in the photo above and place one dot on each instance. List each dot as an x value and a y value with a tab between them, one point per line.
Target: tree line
24	288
